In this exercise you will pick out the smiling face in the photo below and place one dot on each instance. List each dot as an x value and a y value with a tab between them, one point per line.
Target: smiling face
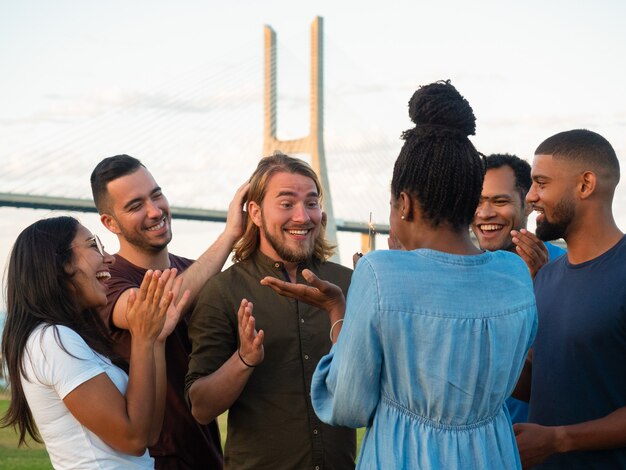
500	210
89	270
289	218
140	212
551	195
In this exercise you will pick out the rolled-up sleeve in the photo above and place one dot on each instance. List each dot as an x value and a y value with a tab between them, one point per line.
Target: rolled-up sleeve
346	385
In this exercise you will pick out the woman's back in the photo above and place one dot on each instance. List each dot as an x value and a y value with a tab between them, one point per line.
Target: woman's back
439	341
437	311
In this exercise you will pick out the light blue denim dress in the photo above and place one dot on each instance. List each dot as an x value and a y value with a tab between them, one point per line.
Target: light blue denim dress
431	346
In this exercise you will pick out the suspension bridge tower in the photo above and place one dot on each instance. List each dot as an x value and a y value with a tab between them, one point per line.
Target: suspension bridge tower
313	143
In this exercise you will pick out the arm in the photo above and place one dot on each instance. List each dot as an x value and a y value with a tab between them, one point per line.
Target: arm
532	250
206	266
536	443
126	422
523	387
213	394
346	391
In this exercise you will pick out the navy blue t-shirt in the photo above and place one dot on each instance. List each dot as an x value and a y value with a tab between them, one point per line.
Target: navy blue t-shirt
579	354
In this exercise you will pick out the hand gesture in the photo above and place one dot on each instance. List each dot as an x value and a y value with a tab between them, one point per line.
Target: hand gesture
251	349
534	442
177	306
146	309
319	293
235	219
532	250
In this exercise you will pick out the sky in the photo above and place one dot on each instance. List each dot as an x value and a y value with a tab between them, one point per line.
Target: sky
178	85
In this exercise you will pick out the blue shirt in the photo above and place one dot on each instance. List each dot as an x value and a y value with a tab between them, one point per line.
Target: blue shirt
431	346
579	354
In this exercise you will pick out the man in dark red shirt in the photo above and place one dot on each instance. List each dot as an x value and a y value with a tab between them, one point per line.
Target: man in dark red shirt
133	206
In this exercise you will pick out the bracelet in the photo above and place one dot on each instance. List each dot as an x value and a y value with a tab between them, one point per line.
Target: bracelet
241	357
332	328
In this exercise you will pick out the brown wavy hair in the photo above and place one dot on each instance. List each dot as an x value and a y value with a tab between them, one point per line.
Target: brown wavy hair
268	167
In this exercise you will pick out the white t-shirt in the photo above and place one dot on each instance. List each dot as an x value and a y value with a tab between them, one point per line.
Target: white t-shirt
50	374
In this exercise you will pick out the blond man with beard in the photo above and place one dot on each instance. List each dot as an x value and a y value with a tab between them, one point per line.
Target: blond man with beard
257	360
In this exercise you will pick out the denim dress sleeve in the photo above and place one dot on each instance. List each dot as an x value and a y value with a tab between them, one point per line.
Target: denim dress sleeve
345	390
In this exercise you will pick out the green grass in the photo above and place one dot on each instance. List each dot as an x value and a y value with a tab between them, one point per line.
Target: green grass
35	457
32	457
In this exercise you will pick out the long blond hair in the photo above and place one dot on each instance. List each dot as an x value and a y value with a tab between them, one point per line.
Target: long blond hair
268	167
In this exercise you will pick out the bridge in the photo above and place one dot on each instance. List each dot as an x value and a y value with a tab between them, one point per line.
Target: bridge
201	134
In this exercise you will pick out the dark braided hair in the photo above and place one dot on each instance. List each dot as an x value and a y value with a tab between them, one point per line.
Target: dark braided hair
438	165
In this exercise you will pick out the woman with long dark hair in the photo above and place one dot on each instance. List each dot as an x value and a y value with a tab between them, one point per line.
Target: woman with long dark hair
435	334
65	391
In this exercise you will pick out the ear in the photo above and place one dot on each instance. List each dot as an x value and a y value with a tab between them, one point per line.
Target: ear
587	184
324	219
407	206
254	212
110	223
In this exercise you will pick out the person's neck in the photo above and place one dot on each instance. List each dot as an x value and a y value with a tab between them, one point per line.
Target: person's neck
588	240
145	259
444	239
290	267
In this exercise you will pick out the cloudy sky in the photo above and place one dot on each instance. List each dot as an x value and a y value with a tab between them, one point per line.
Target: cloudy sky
178	84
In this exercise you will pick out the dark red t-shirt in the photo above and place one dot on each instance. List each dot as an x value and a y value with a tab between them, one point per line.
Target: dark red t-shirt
183	443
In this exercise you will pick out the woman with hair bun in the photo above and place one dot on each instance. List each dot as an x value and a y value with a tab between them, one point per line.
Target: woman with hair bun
65	391
435	334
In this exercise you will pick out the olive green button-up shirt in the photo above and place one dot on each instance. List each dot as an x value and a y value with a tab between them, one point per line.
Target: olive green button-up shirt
272	424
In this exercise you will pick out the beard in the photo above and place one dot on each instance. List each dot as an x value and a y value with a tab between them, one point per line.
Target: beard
564	212
286	253
140	242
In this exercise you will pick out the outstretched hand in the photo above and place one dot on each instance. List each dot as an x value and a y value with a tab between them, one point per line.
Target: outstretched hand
251	349
147	308
532	250
319	293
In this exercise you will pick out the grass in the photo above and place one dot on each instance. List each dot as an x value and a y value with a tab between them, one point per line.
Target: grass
35	457
32	457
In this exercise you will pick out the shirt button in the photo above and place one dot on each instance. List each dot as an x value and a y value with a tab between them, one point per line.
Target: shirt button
315	431
317	467
306	356
277	265
302	320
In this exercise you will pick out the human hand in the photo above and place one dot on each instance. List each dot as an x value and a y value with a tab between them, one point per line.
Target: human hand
177	306
319	293
146	309
532	250
236	217
251	349
355	259
535	442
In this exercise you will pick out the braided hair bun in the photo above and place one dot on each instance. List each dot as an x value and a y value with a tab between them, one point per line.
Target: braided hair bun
438	164
439	106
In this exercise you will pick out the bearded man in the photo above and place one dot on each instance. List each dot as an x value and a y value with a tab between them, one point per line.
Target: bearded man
254	351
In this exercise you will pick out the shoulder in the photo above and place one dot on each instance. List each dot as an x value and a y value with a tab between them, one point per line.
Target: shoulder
554	251
180	262
51	340
227	280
